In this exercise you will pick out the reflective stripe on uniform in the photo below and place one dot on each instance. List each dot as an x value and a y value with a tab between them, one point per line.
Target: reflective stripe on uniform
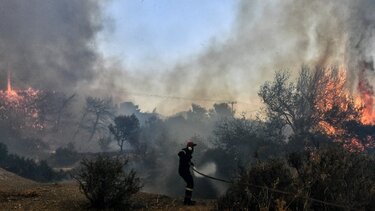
189	189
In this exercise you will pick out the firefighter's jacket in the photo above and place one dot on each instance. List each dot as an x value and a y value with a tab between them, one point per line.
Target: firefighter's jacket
185	161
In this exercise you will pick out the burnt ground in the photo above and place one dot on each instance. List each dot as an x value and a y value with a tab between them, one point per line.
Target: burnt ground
17	193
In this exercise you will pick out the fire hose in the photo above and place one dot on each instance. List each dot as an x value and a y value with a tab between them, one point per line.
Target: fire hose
273	190
213	178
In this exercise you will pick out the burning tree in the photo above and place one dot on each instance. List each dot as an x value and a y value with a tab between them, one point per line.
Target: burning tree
19	108
318	103
28	116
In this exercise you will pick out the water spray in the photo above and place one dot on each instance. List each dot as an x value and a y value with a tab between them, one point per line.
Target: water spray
213	178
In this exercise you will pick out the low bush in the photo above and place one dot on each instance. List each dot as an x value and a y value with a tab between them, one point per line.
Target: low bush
105	183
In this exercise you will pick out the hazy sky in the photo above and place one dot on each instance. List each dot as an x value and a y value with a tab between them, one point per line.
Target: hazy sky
148	33
225	50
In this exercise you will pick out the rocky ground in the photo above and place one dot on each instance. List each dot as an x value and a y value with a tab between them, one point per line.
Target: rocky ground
17	193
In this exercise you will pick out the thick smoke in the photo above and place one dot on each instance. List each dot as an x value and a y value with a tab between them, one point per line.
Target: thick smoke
272	35
49	44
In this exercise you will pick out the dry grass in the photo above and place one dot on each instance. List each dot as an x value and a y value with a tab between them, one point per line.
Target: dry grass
22	194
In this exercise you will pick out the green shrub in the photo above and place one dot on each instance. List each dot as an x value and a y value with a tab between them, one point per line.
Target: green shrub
105	184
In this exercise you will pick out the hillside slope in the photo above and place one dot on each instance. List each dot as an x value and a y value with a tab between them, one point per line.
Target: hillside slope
10	181
23	194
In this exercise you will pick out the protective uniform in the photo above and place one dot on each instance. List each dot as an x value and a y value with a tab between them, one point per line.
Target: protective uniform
184	170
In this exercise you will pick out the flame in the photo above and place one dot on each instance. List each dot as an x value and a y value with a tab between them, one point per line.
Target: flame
354	145
20	104
10	92
365	99
9	85
333	86
335	97
328	129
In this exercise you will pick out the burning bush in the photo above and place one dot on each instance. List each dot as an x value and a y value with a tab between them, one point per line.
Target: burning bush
318	103
105	184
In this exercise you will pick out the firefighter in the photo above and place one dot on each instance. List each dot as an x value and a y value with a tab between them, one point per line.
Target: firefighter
184	170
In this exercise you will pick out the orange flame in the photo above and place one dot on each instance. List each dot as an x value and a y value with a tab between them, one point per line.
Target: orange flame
20	102
334	95
10	92
9	86
366	100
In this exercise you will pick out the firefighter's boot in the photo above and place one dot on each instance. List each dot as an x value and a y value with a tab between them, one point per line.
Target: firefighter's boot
188	194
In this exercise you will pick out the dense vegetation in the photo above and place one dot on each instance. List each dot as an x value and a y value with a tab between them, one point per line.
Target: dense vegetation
327	179
324	159
64	156
28	168
292	145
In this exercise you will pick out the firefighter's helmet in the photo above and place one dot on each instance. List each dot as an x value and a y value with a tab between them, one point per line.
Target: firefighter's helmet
190	143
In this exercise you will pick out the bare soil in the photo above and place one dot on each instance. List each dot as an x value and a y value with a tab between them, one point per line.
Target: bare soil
17	193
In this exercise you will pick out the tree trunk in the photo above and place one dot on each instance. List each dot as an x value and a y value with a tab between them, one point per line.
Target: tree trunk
121	145
80	124
94	127
61	110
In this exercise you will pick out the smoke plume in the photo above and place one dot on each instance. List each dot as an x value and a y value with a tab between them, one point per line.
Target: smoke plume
52	45
272	35
49	44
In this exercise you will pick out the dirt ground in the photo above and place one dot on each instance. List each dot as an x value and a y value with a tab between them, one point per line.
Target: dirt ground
17	193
